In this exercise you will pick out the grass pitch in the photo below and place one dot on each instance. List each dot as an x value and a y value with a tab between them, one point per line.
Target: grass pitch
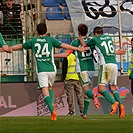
67	124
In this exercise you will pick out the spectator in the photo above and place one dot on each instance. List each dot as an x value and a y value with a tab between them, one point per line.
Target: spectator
12	21
12	24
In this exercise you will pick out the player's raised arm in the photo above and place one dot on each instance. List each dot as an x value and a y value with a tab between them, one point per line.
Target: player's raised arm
63	55
67	46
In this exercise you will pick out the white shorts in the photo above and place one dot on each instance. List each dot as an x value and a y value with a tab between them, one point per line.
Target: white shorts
86	77
46	79
108	74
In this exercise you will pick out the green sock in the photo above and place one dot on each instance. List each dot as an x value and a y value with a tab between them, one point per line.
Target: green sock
48	101
86	105
107	96
117	97
51	93
89	93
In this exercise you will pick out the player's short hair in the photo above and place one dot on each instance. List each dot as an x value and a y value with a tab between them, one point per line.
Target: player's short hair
98	30
132	40
83	29
41	28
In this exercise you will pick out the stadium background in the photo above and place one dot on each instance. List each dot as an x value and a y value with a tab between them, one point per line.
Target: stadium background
18	94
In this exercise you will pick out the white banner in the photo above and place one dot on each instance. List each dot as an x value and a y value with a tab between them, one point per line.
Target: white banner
101	13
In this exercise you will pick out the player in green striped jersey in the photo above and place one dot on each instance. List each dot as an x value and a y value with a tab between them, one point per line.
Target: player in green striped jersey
42	47
85	68
108	68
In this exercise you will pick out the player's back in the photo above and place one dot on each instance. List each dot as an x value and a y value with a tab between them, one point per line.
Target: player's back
43	47
105	49
84	60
